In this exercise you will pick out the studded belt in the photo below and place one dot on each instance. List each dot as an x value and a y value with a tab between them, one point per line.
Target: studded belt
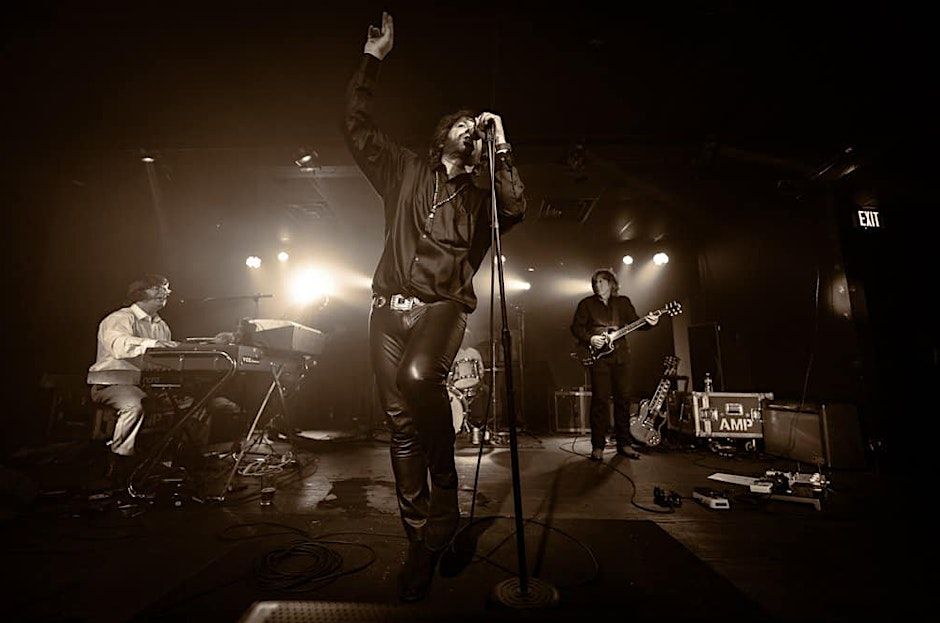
398	302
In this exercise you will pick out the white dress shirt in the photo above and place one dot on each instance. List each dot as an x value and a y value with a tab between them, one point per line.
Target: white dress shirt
123	336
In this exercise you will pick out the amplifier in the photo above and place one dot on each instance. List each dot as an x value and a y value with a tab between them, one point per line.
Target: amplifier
572	411
728	415
827	435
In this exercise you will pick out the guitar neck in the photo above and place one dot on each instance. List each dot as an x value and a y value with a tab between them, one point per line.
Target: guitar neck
633	326
660	395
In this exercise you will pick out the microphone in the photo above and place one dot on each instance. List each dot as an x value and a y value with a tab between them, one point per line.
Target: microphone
481	130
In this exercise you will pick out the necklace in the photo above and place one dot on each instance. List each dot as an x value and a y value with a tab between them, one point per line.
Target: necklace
435	204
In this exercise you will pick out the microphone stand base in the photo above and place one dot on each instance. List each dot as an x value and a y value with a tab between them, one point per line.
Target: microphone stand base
540	594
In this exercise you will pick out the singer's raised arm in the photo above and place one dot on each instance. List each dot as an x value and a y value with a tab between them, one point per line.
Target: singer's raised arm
381	159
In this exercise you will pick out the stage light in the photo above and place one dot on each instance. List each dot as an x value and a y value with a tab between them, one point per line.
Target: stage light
517	285
627	260
311	284
253	261
571	286
283	256
306	158
147	159
531	269
660	258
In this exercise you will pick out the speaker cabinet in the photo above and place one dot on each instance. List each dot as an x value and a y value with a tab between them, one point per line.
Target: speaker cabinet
572	411
829	435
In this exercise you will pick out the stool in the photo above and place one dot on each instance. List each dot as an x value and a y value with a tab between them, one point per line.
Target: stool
70	405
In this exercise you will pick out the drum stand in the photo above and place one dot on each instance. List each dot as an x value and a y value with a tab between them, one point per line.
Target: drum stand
463	398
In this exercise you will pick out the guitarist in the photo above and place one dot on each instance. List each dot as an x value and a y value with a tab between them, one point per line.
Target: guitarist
610	375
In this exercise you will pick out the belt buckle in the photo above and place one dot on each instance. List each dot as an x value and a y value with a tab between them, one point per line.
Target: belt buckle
401	303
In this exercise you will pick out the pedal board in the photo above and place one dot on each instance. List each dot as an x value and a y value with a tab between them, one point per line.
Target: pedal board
710	498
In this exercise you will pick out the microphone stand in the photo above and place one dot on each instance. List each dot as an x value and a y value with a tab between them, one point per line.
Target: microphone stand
521	592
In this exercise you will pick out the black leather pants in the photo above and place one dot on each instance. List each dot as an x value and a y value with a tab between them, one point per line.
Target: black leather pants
412	352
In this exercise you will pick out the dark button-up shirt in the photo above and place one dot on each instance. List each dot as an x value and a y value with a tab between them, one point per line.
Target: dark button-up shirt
431	257
592	317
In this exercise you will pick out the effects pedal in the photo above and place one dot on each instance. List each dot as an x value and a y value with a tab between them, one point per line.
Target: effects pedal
666	499
710	498
764	487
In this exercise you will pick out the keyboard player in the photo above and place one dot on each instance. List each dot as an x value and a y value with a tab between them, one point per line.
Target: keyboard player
124	335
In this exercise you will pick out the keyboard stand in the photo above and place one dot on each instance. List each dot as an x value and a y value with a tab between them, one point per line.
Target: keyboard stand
144	469
243	450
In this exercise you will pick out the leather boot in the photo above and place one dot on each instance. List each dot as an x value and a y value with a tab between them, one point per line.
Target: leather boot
411	488
444	517
415	577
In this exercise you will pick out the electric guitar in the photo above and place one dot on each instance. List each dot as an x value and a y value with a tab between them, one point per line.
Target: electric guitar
647	424
592	354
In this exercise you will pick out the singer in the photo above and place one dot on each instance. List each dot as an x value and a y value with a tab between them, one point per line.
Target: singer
437	232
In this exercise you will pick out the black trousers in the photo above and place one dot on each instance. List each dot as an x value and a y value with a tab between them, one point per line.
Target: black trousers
610	382
412	352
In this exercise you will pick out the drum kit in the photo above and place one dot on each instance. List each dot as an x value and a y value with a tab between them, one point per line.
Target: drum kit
464	384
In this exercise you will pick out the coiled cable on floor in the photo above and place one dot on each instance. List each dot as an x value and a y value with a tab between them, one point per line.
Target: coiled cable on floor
302	566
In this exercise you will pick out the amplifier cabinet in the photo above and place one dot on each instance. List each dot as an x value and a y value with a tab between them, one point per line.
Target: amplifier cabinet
828	435
572	411
728	415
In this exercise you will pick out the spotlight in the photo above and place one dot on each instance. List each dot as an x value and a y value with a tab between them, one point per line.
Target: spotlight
283	256
253	261
660	258
627	260
311	284
531	269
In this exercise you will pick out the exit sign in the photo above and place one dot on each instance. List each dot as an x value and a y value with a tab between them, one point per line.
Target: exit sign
868	219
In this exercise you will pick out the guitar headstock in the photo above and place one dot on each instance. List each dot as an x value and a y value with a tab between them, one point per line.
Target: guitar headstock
670	362
673	308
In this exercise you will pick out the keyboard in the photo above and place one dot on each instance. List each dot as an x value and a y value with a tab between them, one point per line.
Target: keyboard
196	362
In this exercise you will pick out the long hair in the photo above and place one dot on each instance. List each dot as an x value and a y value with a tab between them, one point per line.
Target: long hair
607	274
439	136
137	290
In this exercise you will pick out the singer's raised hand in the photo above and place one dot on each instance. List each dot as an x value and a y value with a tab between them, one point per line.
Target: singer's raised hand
379	42
487	117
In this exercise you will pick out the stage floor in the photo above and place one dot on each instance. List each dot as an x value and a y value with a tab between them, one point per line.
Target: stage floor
592	531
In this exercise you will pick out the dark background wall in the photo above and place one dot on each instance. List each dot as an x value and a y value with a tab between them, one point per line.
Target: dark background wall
716	133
